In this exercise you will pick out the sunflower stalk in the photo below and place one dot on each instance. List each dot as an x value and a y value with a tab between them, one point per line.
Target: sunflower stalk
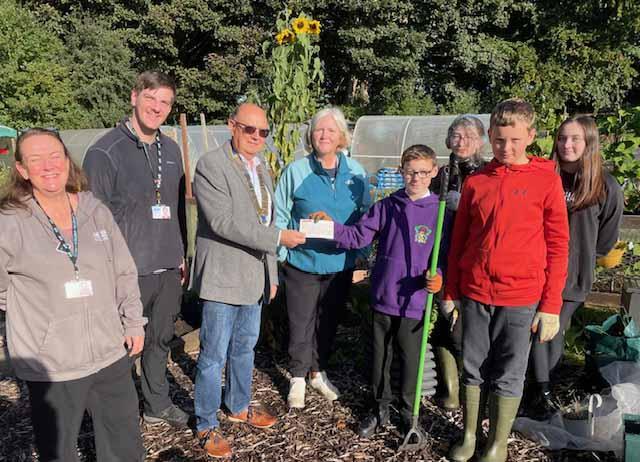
296	83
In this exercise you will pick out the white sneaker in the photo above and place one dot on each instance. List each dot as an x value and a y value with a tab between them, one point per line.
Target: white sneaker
323	386
297	388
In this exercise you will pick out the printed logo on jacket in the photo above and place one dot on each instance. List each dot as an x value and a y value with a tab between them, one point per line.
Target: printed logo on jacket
422	233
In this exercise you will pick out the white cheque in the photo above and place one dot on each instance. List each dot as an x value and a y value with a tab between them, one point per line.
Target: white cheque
322	229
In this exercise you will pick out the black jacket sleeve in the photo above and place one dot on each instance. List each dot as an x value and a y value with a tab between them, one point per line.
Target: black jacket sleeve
610	216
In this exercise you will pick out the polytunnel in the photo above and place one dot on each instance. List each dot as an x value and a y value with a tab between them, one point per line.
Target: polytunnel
200	141
378	141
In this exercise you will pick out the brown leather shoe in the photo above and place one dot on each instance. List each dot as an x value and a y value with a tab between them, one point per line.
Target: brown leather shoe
256	416
214	444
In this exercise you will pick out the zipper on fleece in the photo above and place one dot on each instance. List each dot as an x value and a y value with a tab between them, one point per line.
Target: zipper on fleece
87	321
497	208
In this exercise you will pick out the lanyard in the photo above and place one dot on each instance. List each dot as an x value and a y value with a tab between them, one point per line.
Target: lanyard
157	179
72	254
262	209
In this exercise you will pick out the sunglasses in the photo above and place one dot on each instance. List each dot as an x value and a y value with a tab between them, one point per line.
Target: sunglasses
250	130
34	130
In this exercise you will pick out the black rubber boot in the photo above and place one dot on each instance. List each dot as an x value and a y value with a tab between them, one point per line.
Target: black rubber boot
373	422
542	406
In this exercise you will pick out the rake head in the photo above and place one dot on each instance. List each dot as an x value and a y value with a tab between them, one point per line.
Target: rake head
415	439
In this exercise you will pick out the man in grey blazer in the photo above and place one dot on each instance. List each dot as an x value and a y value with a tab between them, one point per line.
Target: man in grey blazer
234	272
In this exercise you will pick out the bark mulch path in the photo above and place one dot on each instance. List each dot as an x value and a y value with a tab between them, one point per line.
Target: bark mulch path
320	432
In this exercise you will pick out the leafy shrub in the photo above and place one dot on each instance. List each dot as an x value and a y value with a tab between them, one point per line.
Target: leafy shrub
620	147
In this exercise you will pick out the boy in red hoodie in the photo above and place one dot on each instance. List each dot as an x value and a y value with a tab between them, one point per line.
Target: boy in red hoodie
506	270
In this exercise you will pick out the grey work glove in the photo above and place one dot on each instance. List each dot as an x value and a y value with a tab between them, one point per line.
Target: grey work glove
453	199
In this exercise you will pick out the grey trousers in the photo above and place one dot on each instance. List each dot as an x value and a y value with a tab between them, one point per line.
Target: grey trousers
495	346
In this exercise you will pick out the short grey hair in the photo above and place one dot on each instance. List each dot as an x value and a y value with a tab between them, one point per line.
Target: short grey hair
465	121
338	118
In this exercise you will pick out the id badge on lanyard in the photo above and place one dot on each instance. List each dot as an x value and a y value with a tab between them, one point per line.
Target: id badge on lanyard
76	288
159	211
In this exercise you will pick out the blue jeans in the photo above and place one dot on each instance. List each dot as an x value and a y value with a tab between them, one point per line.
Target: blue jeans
228	335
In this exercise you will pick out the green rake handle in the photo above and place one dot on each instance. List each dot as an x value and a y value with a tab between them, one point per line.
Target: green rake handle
435	253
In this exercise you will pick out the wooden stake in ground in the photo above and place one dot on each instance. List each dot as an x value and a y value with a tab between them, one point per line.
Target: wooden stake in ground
205	139
185	156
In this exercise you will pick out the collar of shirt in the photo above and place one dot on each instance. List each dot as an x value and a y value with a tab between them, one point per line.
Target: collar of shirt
252	168
428	193
250	164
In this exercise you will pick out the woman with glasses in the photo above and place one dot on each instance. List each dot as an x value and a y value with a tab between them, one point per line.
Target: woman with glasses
465	138
74	317
317	276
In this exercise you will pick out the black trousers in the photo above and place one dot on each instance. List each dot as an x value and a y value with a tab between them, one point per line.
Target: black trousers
495	346
546	356
109	396
443	336
161	296
314	304
405	334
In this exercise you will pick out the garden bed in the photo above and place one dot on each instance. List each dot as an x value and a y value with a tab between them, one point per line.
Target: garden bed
611	280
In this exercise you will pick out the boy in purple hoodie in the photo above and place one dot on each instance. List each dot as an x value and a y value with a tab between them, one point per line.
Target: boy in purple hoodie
404	225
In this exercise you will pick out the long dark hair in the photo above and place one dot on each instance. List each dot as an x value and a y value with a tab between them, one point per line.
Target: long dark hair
589	186
18	190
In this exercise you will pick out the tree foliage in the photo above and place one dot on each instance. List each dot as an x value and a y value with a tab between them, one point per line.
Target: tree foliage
35	84
101	71
379	56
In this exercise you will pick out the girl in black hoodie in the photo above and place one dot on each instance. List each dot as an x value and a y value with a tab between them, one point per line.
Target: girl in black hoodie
595	205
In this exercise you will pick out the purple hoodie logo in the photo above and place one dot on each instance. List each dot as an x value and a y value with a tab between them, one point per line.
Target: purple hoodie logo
422	233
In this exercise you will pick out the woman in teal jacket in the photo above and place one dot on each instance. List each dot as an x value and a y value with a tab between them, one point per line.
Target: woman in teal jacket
316	275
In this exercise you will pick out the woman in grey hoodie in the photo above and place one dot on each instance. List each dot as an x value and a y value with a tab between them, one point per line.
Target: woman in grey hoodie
70	290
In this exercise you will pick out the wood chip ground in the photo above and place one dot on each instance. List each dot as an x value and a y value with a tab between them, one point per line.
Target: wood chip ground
320	432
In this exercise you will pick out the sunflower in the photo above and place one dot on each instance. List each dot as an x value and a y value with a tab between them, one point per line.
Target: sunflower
285	36
314	27
300	25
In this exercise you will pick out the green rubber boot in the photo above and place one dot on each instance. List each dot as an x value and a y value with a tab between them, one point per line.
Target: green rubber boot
449	369
464	450
502	413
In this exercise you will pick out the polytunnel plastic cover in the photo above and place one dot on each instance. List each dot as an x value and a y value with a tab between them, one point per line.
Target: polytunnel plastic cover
378	141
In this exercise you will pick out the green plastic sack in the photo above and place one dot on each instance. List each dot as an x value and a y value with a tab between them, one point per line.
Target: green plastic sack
609	342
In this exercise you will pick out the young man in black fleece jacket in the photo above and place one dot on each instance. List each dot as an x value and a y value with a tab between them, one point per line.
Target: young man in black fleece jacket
595	204
137	172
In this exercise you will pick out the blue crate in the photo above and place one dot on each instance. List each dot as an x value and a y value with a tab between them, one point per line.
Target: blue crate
387	181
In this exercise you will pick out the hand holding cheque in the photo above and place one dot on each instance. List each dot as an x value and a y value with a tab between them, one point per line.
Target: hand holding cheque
319	225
